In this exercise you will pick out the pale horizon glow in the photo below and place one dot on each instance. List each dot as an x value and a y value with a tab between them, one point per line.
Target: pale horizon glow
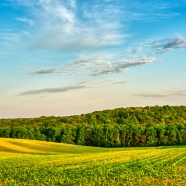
69	57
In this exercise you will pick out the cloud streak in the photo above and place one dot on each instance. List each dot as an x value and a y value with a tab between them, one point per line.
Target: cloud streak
30	22
53	90
102	64
121	66
95	66
181	93
46	71
81	85
168	44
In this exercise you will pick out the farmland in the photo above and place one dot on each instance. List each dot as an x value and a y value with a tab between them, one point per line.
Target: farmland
30	162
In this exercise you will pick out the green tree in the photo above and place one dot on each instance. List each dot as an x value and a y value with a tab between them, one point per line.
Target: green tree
151	135
69	135
97	136
81	135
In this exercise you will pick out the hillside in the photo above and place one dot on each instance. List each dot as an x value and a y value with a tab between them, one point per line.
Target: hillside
135	126
24	146
131	115
31	162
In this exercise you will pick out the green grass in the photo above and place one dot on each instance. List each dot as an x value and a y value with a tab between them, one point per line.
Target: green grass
29	162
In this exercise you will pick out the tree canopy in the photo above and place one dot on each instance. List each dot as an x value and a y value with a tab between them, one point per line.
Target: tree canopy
134	126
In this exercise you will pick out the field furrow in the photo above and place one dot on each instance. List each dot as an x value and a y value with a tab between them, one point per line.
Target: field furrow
127	166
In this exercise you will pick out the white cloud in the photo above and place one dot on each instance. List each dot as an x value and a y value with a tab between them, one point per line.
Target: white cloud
168	44
150	11
53	90
7	39
156	47
140	54
180	93
69	26
96	65
30	22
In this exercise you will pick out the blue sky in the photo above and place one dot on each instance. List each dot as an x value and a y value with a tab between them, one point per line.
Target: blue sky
66	57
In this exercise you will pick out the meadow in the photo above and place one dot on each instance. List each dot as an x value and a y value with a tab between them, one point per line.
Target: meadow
31	162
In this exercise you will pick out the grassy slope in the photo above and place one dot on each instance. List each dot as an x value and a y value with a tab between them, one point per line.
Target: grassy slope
33	162
24	146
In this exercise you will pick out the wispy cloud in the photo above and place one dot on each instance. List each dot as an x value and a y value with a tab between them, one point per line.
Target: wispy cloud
30	22
9	38
53	90
67	25
46	71
95	66
155	47
77	86
115	82
79	25
181	93
150	95
121	66
168	44
150	11
150	17
120	82
72	26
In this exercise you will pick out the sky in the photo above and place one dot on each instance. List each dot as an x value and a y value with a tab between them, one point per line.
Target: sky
69	57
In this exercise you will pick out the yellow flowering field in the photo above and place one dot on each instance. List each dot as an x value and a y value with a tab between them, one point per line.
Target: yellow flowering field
29	162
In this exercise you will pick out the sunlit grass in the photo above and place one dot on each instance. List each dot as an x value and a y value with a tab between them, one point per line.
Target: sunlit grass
29	162
41	147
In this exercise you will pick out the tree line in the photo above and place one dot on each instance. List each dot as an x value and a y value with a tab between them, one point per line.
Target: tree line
121	116
132	126
106	135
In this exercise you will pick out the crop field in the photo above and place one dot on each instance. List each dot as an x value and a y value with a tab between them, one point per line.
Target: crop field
29	162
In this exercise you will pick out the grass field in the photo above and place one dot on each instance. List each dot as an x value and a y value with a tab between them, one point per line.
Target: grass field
27	162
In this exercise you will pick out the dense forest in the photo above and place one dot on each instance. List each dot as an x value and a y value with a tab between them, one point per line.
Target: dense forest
133	126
